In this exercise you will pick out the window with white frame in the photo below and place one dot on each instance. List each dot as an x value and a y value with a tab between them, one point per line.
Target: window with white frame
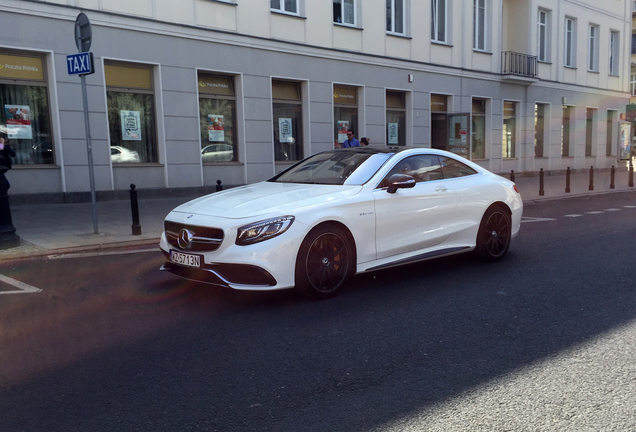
570	42
395	16
543	46
438	20
632	84
592	48
613	53
344	12
479	25
634	6
633	43
287	6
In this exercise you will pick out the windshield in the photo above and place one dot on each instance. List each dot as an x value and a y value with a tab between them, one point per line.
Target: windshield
334	168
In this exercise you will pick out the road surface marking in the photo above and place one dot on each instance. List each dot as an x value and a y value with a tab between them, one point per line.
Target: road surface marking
531	219
103	253
573	215
594	212
613	209
629	206
22	287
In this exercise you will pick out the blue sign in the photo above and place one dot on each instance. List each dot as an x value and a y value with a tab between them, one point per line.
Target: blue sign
80	64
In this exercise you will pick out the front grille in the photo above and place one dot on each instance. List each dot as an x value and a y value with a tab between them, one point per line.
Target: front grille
201	239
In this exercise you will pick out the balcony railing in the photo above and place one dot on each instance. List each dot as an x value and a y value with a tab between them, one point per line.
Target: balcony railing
513	63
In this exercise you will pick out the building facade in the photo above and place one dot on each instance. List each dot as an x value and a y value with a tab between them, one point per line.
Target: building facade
185	95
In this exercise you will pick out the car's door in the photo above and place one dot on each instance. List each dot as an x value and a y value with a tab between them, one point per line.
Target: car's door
416	218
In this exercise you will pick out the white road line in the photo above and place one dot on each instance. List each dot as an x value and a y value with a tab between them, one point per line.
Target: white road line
629	206
594	212
573	215
613	209
104	253
22	287
531	219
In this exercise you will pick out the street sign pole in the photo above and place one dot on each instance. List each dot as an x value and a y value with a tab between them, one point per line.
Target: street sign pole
89	148
83	38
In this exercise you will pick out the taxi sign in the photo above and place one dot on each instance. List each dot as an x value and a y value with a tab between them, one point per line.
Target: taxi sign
80	64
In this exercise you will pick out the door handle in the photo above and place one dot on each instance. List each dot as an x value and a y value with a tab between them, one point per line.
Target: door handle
440	189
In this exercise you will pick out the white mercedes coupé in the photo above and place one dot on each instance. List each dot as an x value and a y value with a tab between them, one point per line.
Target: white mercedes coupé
339	213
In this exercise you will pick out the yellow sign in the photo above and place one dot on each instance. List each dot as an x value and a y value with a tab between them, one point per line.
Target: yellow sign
128	76
216	85
345	95
20	67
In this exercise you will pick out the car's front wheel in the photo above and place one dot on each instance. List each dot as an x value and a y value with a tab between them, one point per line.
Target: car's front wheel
325	261
493	238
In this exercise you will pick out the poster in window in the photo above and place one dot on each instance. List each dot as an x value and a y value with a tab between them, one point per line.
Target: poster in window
18	121
393	133
285	133
216	131
130	125
343	126
624	146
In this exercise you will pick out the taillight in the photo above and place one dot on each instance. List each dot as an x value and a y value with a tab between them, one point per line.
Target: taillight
515	188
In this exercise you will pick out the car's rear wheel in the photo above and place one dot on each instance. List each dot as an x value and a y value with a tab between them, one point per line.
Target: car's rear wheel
493	238
325	261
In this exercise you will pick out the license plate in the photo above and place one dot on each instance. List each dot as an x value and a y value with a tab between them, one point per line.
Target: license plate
187	260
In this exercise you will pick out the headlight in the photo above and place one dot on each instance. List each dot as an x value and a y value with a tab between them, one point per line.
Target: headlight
263	230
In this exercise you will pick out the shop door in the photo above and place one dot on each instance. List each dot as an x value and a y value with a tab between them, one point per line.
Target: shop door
459	134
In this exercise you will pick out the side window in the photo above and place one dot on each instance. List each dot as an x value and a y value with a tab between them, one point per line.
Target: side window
422	168
453	168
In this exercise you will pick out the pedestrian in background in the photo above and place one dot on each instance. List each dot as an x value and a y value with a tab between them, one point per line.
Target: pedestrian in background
351	140
364	141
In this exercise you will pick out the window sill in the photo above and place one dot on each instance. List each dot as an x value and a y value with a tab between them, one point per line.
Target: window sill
136	164
349	26
444	44
482	51
511	158
229	3
227	163
398	35
33	166
570	67
593	71
547	62
287	14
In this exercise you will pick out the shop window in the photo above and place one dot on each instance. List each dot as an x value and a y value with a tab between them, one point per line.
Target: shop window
539	129
566	130
345	111
25	116
217	118
590	119
287	108
395	118
478	130
131	113
611	116
509	129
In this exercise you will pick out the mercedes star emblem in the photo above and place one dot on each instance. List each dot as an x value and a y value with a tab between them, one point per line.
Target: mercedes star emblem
185	237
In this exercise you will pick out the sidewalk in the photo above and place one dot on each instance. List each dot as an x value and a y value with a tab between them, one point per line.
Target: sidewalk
50	229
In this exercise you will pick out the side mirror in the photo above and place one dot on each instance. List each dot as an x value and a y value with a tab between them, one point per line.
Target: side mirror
400	181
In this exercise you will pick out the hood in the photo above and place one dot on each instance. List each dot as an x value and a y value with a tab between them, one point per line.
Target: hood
265	198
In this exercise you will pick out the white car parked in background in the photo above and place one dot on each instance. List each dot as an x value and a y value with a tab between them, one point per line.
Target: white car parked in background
339	213
122	154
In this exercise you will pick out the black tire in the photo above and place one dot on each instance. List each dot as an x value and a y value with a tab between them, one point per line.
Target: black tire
325	261
493	237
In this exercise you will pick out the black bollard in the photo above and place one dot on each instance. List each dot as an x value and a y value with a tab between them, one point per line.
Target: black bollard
219	187
512	175
567	180
134	206
591	178
8	237
612	177
631	175
541	191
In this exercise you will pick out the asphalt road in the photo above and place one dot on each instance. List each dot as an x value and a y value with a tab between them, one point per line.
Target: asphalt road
543	341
